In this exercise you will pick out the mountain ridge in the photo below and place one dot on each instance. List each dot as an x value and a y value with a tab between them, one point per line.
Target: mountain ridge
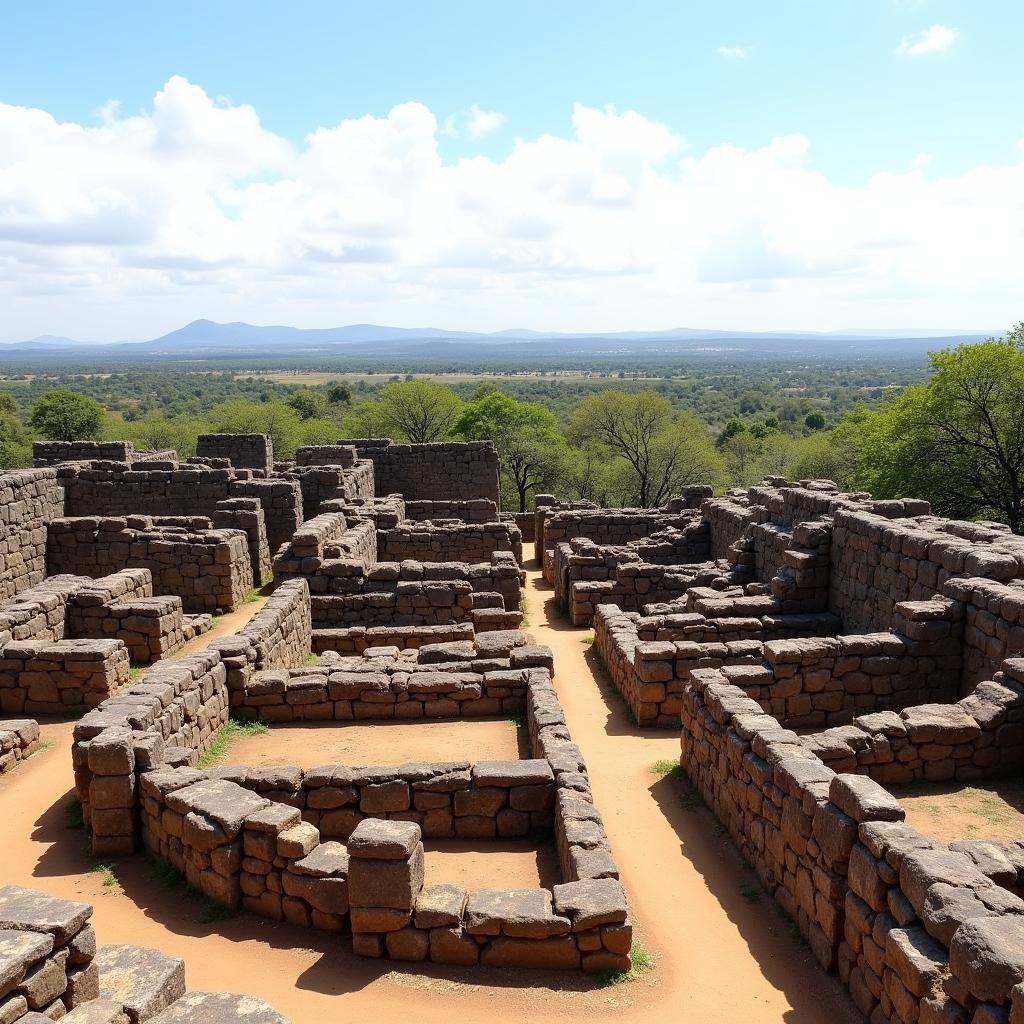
204	333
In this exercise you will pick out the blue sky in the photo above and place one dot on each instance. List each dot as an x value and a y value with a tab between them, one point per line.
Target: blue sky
930	88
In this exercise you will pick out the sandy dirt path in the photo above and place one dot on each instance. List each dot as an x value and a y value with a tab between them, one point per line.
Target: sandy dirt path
718	956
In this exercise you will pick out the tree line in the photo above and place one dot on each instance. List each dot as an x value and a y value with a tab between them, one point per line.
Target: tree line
956	437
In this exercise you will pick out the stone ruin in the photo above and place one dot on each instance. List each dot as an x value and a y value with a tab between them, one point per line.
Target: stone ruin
51	969
813	647
816	646
397	592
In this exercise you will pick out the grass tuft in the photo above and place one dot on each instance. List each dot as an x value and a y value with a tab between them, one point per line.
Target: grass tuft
751	893
137	670
222	741
107	874
165	873
74	817
311	658
639	960
667	767
587	640
169	877
517	719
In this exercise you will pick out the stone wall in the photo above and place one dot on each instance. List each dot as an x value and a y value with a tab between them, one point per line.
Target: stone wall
41	677
977	736
48	952
650	658
343	455
52	453
246	514
116	489
474	510
210	570
243	451
447	800
171	714
265	839
356	639
29	499
792	818
445	470
448	542
447	680
19	738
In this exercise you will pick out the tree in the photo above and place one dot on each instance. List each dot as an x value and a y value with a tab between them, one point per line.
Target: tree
65	415
530	448
15	446
339	393
276	419
814	421
662	451
957	440
416	411
308	404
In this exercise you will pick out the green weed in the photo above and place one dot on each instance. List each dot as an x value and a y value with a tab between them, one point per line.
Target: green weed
222	741
74	817
106	873
639	960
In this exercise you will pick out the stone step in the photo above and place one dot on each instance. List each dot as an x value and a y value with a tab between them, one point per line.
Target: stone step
145	981
218	1008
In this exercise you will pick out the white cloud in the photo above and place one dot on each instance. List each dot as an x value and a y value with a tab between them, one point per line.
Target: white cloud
481	122
132	224
474	122
733	52
937	39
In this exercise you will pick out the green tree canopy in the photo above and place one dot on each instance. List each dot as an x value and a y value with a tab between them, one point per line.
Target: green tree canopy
276	419
65	415
416	411
530	448
661	451
957	440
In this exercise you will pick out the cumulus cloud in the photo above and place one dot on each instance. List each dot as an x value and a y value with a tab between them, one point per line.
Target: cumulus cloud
475	122
732	52
193	207
937	39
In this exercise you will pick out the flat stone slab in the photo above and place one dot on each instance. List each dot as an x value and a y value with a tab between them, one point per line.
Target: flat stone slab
440	906
144	980
378	839
97	1011
521	913
328	860
863	799
223	802
18	951
591	902
513	773
28	910
218	1008
940	723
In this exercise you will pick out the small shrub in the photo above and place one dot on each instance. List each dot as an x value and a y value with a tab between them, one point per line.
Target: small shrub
107	875
640	961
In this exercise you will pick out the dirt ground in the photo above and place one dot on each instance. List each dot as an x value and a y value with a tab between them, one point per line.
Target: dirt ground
720	951
363	743
989	809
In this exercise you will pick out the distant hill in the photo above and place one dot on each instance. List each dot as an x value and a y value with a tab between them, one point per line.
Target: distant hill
205	338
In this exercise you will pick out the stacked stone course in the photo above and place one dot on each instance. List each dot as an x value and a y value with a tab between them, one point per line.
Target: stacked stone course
444	470
210	570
